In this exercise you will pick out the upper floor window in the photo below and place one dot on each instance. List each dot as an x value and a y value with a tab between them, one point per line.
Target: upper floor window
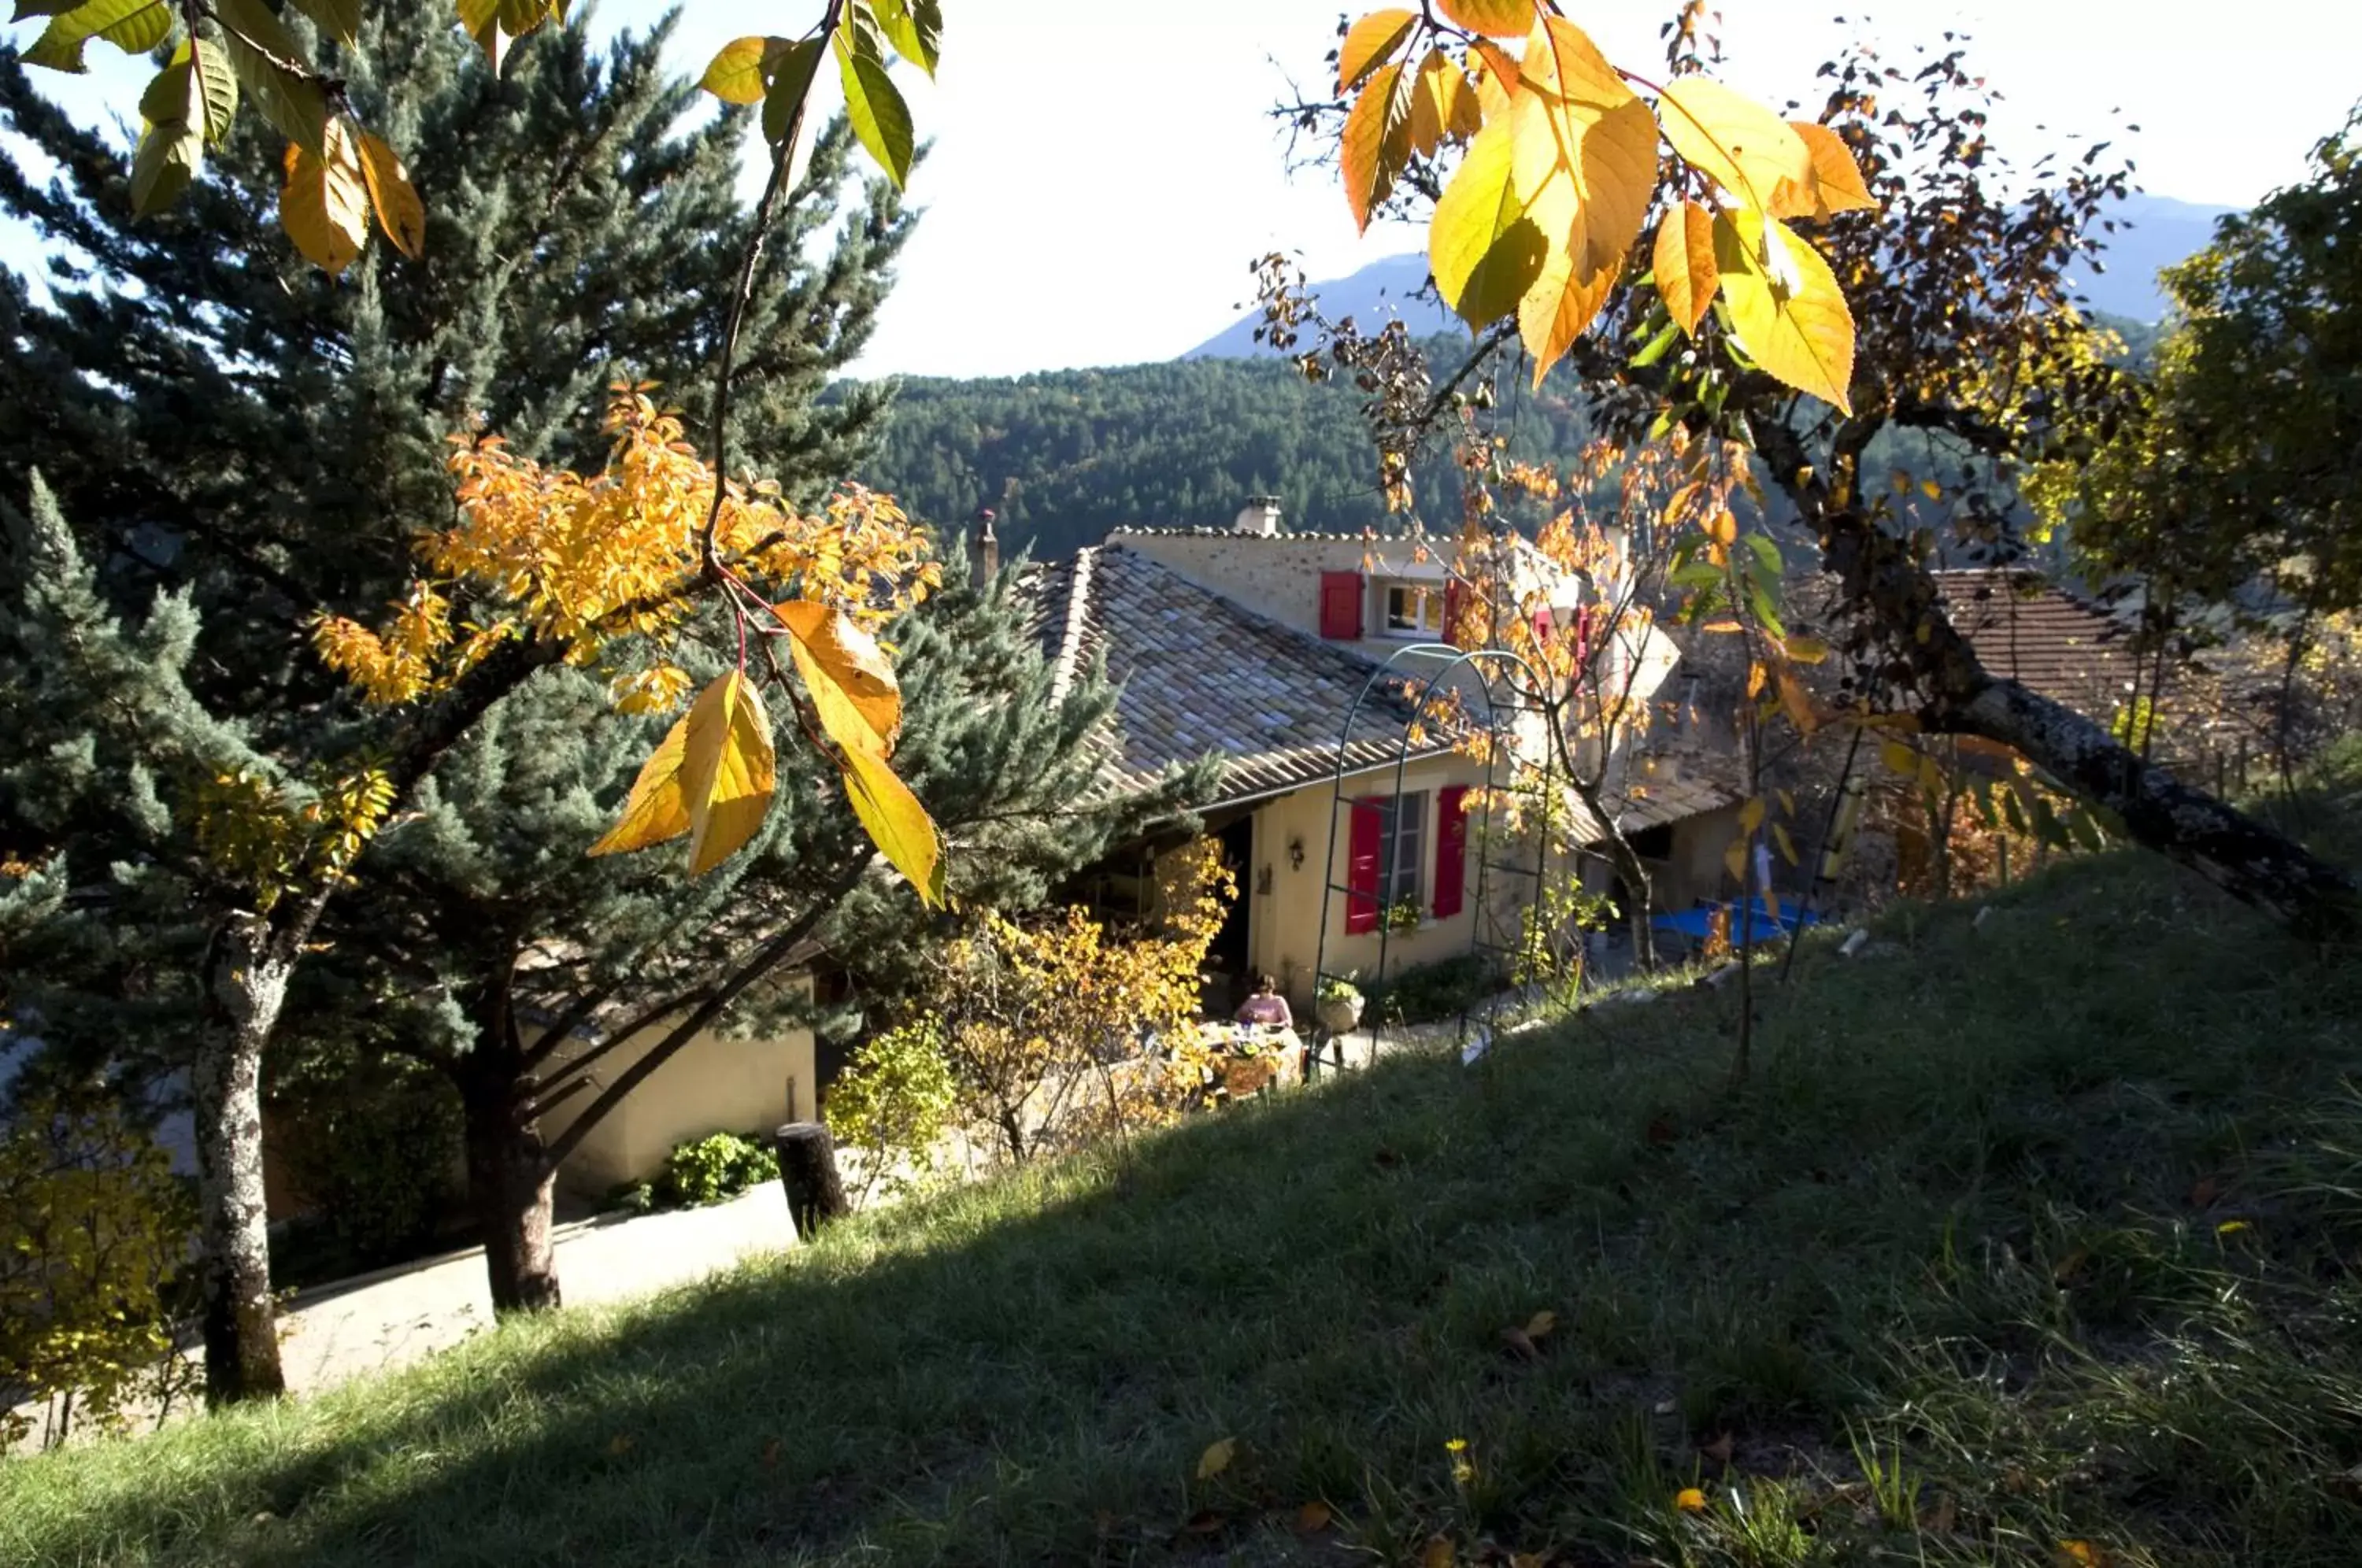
1413	609
1402	849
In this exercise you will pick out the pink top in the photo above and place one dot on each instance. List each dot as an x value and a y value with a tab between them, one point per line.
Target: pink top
1266	1009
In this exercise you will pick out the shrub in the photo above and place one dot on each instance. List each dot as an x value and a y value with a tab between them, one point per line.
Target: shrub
711	1169
94	1247
1442	989
895	1101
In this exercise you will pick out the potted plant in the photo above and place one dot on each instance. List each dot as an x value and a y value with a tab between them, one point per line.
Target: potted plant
1337	1002
1403	916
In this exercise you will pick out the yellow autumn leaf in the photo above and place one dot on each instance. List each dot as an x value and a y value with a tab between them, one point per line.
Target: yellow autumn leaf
1687	279
736	73
1439	1552
1786	307
1313	1517
1443	107
324	203
727	770
1484	252
851	657
1368	43
1376	141
1750	815
399	211
654	811
1216	1458
1733	141
1585	163
1799	704
711	778
893	817
1787	846
1756	677
1835	184
1501	19
1690	1500
1807	650
1734	859
1899	758
1541	1323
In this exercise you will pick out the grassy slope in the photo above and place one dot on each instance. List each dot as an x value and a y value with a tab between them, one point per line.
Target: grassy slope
1970	1212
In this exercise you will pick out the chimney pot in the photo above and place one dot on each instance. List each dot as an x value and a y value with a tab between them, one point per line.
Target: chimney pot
983	547
1260	516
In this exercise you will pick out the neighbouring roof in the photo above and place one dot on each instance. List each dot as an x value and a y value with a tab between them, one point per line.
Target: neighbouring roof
1200	675
1653	802
2029	630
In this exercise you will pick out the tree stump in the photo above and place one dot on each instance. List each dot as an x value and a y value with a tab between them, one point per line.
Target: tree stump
808	1170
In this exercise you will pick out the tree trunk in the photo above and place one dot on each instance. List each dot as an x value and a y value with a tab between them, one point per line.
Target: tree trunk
245	987
807	1157
510	1179
1883	582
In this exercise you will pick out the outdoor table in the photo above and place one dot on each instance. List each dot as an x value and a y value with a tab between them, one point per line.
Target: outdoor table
1251	1058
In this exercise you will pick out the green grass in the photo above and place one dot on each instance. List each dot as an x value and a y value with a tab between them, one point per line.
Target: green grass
2036	1232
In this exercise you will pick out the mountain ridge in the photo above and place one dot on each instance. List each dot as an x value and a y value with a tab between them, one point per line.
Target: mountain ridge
2153	233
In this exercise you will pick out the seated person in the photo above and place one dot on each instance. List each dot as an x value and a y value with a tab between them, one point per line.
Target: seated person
1266	1005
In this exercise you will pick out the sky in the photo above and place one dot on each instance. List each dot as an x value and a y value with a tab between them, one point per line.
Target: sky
1104	171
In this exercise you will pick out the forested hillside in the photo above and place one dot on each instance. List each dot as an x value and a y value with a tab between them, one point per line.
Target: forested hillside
1065	455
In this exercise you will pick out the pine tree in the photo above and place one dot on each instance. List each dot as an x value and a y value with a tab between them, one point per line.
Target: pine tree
238	441
482	938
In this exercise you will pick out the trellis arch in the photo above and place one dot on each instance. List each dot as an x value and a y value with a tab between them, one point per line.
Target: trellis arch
1441	660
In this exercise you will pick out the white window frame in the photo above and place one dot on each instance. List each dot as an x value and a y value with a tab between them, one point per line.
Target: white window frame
1427	619
1402	863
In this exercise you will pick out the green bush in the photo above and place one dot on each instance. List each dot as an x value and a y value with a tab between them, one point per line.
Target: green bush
95	1234
1431	992
711	1169
894	1102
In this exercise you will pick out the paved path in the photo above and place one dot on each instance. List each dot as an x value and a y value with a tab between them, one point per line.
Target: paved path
392	1318
389	1319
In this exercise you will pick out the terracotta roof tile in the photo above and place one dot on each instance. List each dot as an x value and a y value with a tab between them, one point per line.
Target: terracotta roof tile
2027	629
1201	675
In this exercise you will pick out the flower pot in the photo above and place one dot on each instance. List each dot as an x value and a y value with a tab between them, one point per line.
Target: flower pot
1338	1015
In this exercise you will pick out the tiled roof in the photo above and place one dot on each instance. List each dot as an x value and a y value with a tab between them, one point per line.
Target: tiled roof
1653	802
2026	629
1200	530
1200	675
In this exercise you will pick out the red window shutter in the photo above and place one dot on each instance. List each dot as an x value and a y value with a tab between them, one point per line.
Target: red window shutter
1450	849
1583	627
1341	604
1543	627
1362	865
1454	597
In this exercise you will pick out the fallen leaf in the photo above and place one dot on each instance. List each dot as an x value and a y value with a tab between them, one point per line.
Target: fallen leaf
1720	1449
1314	1517
1690	1500
1205	1521
1216	1458
1521	1343
2202	1195
1541	1323
1438	1554
2231	1227
1943	1516
619	1445
2067	1267
2081	1554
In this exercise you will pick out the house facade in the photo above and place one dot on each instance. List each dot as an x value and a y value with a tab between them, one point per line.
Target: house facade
1354	848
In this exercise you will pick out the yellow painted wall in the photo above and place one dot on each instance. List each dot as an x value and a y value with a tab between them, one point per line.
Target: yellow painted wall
1284	929
711	1085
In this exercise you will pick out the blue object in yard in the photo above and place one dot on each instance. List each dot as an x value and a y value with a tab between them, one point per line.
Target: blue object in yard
1760	922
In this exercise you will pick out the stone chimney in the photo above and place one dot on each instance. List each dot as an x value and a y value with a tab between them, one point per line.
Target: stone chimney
1259	516
983	548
